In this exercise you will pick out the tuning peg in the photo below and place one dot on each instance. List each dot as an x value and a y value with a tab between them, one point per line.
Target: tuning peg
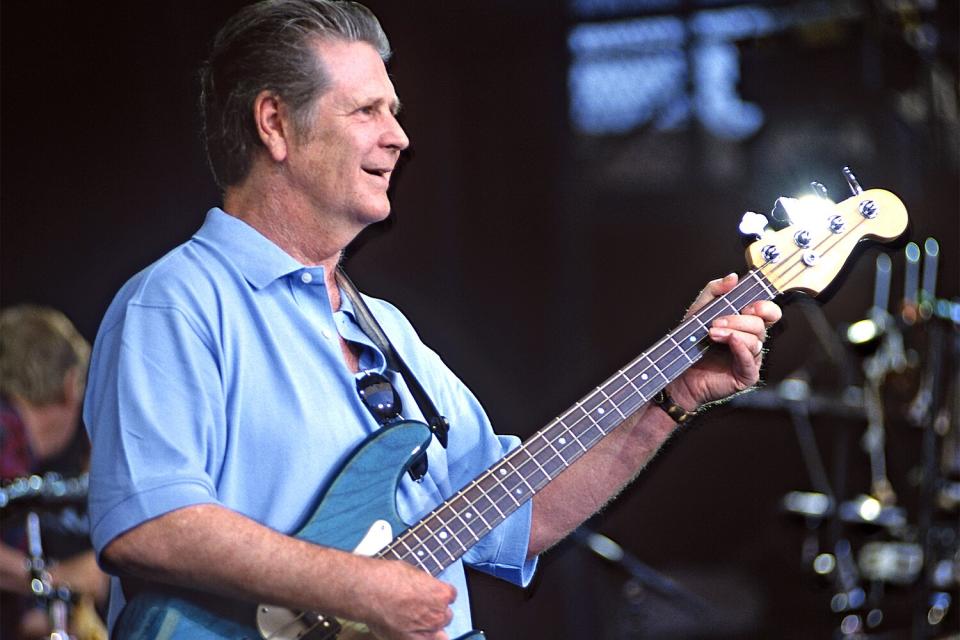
852	181
780	217
819	190
753	224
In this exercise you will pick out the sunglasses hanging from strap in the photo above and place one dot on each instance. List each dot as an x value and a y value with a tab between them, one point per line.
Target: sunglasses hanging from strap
437	423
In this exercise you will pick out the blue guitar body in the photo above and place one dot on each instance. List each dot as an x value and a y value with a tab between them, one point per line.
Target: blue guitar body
362	493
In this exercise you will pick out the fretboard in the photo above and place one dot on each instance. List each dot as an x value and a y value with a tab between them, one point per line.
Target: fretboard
448	531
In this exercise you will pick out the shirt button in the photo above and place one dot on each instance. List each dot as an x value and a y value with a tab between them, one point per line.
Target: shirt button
306	277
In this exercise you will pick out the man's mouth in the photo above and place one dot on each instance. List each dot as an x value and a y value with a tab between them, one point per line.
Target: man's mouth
380	173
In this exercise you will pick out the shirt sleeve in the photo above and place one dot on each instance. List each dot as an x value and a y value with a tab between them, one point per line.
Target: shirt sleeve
154	409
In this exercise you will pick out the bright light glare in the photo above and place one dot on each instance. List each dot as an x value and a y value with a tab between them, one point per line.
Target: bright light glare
869	509
862	331
824	563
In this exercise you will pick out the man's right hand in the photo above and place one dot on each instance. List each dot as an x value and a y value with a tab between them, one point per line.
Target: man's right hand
215	549
405	603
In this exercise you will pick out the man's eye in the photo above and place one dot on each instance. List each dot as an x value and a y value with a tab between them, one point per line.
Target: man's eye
367	111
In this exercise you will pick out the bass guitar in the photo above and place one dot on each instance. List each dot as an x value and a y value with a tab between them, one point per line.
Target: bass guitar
357	511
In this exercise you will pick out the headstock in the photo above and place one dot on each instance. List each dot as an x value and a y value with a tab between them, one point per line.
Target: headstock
808	253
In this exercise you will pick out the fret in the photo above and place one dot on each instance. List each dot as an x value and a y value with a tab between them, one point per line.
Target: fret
392	551
498	491
423	551
445	533
517	475
549	442
473	503
591	403
585	430
571	436
492	497
434	544
546	477
411	558
614	404
676	367
629	381
680	347
625	398
704	327
646	373
465	517
729	304
759	277
666	380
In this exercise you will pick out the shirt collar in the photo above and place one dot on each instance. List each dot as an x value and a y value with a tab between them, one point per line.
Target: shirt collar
259	259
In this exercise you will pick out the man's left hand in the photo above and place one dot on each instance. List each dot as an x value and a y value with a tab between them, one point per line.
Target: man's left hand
723	372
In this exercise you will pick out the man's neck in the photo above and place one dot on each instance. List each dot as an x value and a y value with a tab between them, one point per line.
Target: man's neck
294	226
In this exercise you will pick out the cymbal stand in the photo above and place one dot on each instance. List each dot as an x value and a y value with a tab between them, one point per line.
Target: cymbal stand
55	600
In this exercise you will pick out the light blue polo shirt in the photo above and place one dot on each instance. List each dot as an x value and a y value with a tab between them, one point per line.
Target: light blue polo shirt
217	377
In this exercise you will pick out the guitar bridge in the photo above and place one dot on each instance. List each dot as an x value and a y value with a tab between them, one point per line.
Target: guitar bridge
278	623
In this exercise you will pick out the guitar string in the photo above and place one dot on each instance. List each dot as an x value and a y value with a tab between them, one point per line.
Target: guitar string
446	522
410	556
750	290
756	273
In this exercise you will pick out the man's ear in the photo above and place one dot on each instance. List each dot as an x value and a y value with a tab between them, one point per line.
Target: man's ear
273	125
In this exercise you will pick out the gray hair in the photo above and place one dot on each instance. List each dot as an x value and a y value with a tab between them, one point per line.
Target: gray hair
267	47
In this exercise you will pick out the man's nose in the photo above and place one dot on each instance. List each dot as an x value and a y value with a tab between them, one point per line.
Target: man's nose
395	137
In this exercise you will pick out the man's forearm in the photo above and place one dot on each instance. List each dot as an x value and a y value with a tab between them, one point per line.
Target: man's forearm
214	549
597	477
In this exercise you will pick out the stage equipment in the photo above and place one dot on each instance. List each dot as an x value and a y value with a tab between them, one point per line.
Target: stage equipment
877	550
53	499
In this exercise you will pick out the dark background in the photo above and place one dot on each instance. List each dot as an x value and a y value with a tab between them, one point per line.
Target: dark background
535	259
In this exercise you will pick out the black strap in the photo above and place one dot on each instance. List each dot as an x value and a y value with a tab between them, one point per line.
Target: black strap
437	423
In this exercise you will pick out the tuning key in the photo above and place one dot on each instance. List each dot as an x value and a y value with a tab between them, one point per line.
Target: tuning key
819	190
753	224
852	181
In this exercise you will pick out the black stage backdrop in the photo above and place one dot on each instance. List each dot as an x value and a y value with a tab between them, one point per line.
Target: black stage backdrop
534	259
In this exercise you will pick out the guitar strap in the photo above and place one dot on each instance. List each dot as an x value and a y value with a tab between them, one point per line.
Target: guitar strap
437	423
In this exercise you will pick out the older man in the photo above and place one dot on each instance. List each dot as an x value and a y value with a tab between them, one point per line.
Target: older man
223	386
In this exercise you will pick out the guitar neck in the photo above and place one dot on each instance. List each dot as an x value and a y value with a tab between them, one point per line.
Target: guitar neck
456	525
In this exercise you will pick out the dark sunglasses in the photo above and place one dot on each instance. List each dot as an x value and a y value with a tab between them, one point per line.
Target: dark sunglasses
379	397
383	402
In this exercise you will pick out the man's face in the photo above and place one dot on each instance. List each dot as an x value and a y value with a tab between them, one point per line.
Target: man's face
342	164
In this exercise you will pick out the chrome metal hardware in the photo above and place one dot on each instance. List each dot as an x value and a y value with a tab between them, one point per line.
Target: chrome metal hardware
802	238
819	190
868	209
810	258
836	224
770	253
852	181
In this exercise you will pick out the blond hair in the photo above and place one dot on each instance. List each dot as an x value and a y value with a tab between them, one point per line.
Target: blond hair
39	346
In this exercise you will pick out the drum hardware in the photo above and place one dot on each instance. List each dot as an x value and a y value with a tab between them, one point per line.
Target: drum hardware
641	574
920	558
48	489
56	496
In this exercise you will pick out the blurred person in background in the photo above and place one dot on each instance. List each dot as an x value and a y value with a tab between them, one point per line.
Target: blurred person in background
43	366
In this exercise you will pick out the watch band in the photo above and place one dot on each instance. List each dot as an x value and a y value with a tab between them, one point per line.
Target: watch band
680	415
